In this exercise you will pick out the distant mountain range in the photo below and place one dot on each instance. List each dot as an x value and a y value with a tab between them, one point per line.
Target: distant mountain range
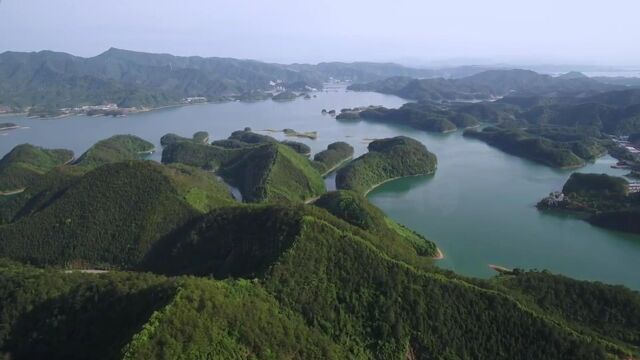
53	80
46	81
490	84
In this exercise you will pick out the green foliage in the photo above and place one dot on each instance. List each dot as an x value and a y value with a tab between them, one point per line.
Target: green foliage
114	149
387	159
202	156
595	185
357	210
25	164
40	193
228	242
229	320
534	148
55	315
200	137
379	308
336	154
419	116
300	148
111	216
274	172
607	311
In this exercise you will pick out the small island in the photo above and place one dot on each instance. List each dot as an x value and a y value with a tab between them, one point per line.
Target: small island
422	116
607	201
8	126
201	137
386	160
333	157
285	96
541	149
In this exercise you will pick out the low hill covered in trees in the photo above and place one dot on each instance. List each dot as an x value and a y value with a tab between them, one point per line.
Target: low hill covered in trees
113	149
606	199
110	216
387	159
25	163
261	167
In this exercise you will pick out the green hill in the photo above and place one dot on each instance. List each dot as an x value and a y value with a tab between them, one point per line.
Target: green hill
110	216
25	163
608	311
262	168
604	199
315	287
358	211
596	185
274	172
300	148
387	159
200	137
114	149
530	147
335	155
371	303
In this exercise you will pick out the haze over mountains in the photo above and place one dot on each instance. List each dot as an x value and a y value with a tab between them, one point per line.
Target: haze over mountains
45	81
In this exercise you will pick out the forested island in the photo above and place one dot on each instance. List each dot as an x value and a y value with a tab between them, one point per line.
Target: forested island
607	200
387	159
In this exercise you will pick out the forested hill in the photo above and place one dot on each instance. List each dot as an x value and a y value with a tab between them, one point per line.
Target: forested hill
486	85
52	80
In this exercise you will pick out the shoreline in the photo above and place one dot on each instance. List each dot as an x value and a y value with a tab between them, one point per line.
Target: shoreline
439	254
394	178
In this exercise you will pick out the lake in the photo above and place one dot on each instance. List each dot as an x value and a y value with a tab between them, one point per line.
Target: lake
478	207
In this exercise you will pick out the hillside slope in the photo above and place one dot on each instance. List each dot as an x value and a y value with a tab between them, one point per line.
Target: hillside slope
25	163
112	215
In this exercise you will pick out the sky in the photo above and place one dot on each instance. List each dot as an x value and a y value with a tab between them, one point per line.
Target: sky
408	31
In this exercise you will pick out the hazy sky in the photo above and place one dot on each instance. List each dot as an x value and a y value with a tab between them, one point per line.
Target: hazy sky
548	31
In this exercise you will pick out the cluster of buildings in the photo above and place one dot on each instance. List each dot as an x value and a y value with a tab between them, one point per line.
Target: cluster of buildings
90	109
5	109
194	100
624	142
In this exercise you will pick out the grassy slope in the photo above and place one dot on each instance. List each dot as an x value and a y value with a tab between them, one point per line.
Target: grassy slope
112	215
26	163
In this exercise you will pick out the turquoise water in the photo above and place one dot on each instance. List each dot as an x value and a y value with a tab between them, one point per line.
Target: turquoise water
478	207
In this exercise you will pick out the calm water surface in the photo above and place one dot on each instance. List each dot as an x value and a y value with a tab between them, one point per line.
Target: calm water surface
478	207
